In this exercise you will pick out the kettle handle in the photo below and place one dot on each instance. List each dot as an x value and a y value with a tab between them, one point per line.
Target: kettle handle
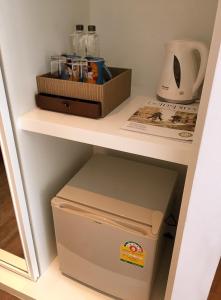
204	53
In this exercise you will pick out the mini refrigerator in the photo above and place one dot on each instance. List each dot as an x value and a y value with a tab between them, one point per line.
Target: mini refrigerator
109	223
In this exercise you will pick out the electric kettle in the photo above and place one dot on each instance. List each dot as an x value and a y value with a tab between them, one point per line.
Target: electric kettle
182	77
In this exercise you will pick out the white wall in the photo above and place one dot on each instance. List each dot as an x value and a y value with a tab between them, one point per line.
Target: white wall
31	31
133	32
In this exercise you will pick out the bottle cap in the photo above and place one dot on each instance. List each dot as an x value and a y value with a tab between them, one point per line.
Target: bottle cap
79	27
91	28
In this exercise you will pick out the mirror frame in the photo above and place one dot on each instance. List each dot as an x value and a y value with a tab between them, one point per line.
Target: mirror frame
13	171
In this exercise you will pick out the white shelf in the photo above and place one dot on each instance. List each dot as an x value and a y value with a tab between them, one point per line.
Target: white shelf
106	132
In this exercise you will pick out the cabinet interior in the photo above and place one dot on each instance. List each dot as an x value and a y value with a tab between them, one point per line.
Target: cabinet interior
132	34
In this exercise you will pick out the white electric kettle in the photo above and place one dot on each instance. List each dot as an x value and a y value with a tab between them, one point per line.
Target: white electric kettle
181	78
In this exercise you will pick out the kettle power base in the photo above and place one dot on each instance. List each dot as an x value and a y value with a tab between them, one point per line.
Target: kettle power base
176	101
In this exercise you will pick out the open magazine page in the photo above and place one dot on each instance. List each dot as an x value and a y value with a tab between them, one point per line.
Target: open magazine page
164	119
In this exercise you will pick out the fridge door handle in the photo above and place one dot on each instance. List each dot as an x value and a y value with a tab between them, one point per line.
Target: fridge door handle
124	225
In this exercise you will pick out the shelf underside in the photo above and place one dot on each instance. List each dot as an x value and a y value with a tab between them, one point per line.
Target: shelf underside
107	132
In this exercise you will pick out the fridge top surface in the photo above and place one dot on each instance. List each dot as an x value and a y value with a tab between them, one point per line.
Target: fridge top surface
123	187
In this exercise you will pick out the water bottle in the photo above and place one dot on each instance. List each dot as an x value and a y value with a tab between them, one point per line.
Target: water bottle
92	46
78	41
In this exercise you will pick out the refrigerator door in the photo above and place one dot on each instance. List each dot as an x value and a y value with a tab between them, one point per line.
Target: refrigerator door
104	251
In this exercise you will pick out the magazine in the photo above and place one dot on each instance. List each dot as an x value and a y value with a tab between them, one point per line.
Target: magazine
164	119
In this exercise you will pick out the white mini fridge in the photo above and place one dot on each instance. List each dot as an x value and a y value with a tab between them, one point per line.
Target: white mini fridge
109	222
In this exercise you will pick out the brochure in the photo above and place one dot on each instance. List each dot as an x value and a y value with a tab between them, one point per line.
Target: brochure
164	119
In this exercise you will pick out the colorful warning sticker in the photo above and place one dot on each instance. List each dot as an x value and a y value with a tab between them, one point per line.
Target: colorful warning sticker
132	253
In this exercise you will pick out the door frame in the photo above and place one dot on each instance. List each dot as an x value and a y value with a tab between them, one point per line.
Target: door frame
13	170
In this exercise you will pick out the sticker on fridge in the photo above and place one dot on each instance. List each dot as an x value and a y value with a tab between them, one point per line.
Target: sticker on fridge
132	253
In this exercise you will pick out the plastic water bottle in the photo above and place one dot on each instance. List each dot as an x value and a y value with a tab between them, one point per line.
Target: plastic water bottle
92	46
78	41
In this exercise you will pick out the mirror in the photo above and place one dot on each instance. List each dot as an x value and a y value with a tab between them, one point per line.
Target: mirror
17	250
11	250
